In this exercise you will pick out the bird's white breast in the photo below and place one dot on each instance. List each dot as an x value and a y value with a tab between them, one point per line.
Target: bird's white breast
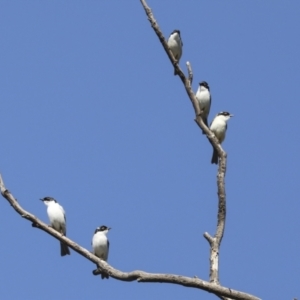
99	244
56	215
203	96
174	43
218	127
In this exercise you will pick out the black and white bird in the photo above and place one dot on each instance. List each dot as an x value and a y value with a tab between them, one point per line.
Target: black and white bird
57	217
203	97
175	44
100	244
219	126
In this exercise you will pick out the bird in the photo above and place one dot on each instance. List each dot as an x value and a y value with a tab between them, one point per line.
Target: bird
203	97
175	44
100	244
219	126
57	217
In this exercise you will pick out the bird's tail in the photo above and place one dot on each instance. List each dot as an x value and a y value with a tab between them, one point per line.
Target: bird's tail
64	249
215	156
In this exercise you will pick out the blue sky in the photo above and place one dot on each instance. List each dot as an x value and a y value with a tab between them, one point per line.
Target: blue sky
92	115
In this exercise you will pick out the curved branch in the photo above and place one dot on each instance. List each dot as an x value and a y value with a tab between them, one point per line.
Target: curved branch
139	276
216	240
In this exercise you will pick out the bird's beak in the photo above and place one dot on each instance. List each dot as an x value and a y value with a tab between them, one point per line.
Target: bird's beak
109	228
231	116
42	199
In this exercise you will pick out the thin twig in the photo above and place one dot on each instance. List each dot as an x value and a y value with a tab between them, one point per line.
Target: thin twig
190	72
139	276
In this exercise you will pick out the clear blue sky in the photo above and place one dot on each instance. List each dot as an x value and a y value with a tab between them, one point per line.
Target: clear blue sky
92	115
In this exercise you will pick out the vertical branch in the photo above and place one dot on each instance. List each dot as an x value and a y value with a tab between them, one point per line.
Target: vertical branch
215	241
222	200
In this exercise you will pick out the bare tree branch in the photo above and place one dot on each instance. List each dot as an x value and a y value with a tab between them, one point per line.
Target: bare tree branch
104	267
211	137
215	241
190	72
184	80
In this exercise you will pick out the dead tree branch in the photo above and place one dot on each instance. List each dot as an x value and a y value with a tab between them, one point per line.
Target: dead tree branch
139	276
190	72
214	241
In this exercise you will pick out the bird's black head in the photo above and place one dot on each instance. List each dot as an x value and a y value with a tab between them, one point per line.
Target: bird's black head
176	31
48	199
102	228
205	84
225	114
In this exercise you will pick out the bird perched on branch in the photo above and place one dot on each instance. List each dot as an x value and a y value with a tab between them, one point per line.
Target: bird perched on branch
203	97
219	126
57	219
175	44
100	244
